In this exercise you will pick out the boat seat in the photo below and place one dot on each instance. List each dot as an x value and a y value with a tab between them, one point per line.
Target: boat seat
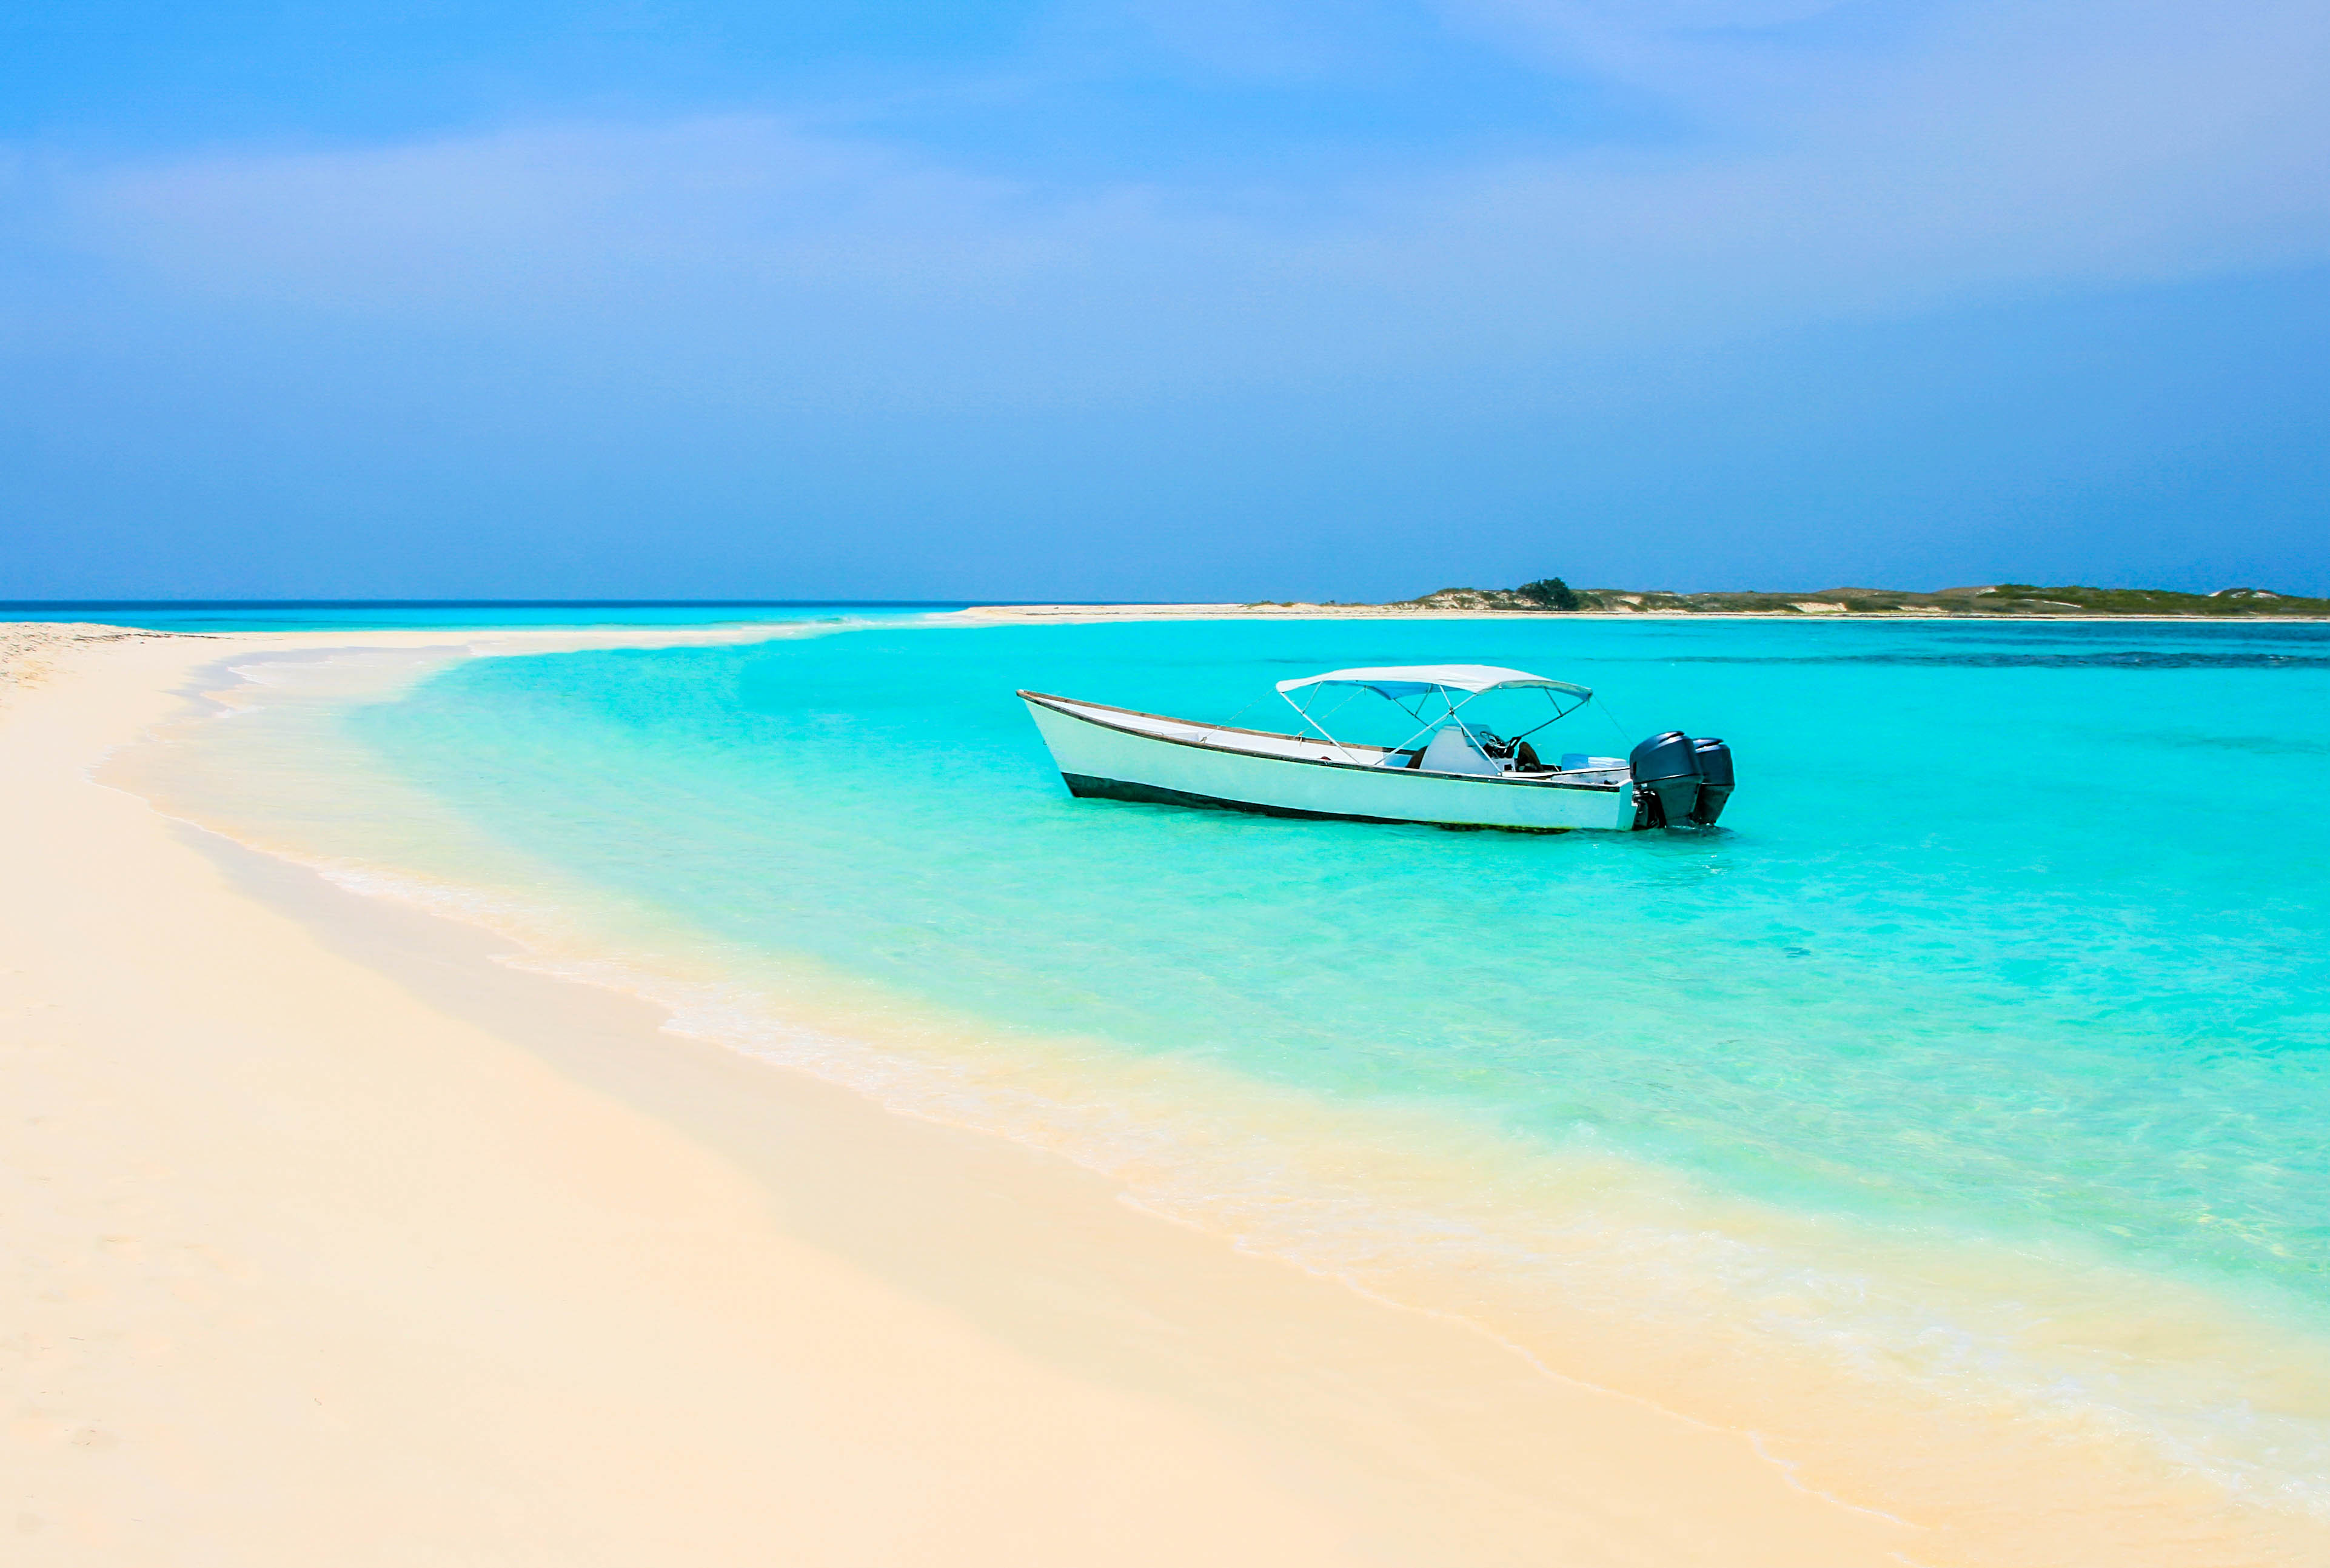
1453	751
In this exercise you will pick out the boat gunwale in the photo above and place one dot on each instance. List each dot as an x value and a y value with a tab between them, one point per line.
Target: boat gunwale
1054	703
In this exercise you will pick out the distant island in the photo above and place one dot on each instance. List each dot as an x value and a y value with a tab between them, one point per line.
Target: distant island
1551	596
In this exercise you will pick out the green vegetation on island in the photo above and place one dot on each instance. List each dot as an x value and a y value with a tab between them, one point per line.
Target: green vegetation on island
1551	596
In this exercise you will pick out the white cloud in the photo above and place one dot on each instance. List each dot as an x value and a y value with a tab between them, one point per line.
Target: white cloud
1998	147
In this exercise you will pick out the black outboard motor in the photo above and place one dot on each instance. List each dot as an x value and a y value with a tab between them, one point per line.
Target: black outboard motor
1679	780
1714	779
1666	780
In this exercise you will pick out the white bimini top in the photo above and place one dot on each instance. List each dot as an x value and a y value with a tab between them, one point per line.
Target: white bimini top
1397	680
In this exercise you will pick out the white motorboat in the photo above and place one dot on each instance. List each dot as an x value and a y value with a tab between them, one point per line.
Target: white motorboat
1450	771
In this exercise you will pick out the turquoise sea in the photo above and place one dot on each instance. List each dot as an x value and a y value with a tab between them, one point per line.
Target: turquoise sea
1978	1065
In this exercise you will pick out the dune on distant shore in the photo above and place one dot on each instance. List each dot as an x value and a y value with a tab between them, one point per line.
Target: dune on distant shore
334	1240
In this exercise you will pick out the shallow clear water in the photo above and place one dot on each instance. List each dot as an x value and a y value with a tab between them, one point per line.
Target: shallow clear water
1986	1040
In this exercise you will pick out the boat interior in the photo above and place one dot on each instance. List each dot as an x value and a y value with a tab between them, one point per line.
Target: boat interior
1455	747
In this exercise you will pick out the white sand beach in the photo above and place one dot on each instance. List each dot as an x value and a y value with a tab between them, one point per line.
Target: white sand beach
330	1240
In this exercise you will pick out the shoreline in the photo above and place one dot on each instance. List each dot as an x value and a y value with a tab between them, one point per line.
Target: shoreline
363	1236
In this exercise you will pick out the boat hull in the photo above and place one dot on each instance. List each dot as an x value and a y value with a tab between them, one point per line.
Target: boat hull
1115	753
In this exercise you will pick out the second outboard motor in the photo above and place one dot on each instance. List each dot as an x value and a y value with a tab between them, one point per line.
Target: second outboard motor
1714	779
1666	780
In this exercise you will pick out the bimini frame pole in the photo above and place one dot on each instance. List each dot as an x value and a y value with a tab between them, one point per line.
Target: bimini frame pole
1304	715
1432	723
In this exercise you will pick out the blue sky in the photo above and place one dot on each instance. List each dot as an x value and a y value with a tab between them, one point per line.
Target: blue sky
1129	299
